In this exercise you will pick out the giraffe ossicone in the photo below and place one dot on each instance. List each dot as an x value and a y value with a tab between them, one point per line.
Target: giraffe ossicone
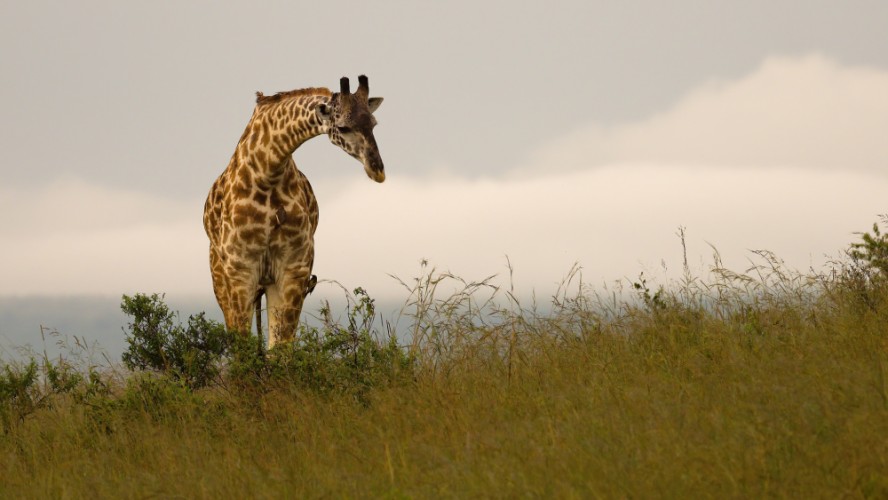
261	213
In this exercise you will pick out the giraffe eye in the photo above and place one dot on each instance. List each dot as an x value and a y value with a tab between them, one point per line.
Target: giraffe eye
344	130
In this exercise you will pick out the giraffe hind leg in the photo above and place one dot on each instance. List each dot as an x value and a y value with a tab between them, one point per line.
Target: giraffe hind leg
284	308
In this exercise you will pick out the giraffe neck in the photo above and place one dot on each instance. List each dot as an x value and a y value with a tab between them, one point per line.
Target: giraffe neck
274	132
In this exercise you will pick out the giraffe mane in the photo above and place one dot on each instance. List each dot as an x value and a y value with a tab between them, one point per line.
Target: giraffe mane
266	99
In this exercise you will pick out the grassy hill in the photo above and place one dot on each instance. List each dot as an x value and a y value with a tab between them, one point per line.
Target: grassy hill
766	382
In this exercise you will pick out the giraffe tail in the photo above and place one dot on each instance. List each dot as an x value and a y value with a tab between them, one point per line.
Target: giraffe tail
258	302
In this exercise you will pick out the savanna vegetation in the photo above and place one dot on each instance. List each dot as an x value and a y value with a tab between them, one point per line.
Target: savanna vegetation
765	382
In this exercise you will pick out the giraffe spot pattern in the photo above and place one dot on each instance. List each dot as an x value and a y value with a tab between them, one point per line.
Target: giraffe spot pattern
261	213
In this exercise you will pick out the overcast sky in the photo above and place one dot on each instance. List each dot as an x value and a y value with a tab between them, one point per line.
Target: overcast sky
553	132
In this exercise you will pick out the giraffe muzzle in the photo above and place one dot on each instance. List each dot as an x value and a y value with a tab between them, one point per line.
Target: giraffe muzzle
376	175
375	170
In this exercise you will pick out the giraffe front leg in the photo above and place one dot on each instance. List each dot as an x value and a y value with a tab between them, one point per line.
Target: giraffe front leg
226	288
239	310
236	296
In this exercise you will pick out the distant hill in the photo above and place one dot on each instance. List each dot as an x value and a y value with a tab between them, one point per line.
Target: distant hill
99	321
96	319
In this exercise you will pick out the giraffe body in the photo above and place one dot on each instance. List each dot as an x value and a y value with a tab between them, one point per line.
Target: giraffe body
261	213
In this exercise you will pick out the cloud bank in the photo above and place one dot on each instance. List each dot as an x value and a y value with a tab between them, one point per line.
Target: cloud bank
75	238
615	221
790	158
805	112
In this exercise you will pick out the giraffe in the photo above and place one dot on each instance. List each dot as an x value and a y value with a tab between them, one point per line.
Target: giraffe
261	213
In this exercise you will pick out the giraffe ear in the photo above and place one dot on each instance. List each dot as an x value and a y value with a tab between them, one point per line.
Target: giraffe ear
324	112
374	103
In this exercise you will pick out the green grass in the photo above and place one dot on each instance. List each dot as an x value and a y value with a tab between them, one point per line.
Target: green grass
764	383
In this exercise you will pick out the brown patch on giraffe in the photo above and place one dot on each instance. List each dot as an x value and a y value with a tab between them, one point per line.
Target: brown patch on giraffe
247	213
261	156
252	234
296	219
276	199
241	190
260	197
245	176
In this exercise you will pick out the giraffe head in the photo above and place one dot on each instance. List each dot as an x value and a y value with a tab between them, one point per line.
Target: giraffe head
349	121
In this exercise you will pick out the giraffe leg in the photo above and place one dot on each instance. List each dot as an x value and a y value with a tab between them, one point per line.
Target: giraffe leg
235	288
278	318
285	302
238	309
222	288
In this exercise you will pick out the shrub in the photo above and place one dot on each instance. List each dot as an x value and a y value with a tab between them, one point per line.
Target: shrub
19	393
344	358
26	388
332	358
157	342
861	279
872	251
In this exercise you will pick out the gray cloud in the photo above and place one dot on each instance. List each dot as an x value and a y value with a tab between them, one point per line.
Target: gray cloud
791	112
153	97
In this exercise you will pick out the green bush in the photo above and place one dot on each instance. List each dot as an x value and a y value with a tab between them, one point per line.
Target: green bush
332	358
26	388
156	341
861	280
872	251
343	358
19	393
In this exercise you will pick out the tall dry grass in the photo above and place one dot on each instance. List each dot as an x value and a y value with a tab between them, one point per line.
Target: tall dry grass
765	382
